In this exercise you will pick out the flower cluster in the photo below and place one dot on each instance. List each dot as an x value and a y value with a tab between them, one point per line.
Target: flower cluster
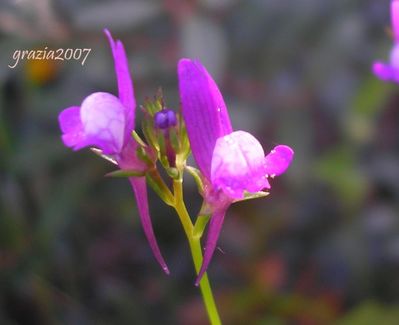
232	165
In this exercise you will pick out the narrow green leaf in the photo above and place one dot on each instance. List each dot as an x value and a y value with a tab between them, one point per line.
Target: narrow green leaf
126	173
138	139
250	196
99	152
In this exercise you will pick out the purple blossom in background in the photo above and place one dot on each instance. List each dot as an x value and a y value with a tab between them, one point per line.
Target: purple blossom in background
231	162
105	121
390	71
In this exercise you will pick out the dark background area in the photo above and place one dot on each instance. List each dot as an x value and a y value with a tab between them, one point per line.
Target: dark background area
322	248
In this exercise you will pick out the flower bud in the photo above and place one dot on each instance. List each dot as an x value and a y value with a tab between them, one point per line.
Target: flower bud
165	119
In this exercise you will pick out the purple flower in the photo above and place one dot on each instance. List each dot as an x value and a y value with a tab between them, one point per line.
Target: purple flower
232	163
390	71
105	121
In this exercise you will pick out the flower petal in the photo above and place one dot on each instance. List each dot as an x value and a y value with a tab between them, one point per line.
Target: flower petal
238	165
204	111
140	191
395	18
215	226
103	120
72	128
385	72
278	160
125	84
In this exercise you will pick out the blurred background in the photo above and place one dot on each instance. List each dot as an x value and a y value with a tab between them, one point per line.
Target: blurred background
323	248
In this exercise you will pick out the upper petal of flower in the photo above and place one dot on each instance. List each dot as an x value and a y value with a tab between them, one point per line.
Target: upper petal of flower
103	118
238	165
278	160
204	111
125	84
72	128
395	18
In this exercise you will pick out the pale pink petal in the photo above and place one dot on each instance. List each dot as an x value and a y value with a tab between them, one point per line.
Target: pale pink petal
103	120
238	165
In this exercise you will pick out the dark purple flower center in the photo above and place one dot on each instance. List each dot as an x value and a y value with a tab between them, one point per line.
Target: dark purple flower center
165	119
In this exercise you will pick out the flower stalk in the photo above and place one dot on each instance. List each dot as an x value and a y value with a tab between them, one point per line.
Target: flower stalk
194	240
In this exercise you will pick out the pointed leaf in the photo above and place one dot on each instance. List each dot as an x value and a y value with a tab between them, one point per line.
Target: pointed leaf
126	173
250	196
99	152
138	139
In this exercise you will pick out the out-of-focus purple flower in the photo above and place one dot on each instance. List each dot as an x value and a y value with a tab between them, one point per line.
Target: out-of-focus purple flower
105	121
390	71
232	163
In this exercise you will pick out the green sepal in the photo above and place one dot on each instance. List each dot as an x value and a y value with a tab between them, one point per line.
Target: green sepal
143	156
152	106
196	174
161	143
138	139
185	149
126	173
159	102
158	185
162	150
147	126
250	196
99	153
149	107
174	140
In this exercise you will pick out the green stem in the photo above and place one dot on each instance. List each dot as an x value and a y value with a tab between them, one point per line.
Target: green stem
196	252
200	224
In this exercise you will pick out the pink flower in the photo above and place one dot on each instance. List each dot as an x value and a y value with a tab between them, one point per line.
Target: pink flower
105	121
233	163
